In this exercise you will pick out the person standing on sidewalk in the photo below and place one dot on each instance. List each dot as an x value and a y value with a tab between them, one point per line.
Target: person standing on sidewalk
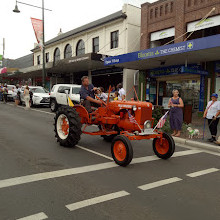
176	113
5	93
1	92
212	113
27	97
121	92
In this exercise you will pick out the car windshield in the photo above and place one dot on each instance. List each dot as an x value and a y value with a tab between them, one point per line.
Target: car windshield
38	90
75	90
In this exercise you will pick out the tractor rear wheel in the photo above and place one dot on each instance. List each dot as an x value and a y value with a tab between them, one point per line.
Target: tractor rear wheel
165	149
67	126
122	151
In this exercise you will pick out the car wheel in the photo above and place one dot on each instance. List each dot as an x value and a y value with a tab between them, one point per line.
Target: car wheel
53	106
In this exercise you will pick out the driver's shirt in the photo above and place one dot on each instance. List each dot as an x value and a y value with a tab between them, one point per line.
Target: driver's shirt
84	92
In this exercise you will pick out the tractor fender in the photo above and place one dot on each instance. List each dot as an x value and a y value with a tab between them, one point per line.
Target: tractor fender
83	113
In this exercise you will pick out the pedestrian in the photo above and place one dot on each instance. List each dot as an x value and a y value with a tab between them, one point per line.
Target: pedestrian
5	93
212	113
1	92
113	88
103	96
27	97
176	113
116	96
121	92
16	95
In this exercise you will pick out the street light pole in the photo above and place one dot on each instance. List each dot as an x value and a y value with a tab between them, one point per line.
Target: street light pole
16	10
43	51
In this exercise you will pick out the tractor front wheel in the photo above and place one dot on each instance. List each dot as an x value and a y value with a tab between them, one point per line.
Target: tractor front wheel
67	126
164	148
122	151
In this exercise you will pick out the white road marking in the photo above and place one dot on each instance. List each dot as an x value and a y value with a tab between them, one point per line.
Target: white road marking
203	150
39	216
36	110
73	171
159	183
154	157
94	152
202	172
32	109
96	200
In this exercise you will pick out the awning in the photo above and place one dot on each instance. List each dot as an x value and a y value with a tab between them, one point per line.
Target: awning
3	70
193	51
90	61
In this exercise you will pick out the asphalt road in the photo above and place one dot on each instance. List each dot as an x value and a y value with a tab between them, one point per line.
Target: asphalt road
41	180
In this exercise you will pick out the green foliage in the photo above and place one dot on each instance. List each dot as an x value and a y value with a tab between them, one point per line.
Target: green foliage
158	112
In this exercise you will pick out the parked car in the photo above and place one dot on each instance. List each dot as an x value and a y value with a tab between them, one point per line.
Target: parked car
59	97
38	95
11	94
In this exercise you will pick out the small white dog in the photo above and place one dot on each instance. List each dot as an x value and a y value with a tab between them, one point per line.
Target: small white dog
193	133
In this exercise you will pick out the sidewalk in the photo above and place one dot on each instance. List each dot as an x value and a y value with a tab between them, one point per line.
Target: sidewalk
198	123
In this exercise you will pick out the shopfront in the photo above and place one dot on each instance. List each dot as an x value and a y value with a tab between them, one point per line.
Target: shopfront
183	66
188	80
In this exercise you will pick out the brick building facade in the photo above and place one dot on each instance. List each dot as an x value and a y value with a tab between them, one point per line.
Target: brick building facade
164	14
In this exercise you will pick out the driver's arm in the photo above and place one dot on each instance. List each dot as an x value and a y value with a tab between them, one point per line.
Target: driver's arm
93	100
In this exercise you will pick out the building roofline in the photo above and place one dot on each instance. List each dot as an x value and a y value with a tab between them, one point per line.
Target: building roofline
96	23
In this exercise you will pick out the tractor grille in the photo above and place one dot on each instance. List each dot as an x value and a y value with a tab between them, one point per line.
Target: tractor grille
146	114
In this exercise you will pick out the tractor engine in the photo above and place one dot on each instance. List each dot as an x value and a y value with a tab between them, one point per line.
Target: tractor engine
133	115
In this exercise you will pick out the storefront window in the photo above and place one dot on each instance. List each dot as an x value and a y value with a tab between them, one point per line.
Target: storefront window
189	91
80	48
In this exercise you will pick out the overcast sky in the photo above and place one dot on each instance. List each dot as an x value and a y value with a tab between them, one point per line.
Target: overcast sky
67	14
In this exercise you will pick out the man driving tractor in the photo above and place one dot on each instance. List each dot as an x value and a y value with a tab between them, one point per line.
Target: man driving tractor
87	94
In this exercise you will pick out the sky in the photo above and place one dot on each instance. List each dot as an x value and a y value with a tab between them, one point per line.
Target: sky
17	29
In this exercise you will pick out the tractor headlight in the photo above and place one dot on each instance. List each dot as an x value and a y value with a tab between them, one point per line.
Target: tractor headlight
147	124
134	108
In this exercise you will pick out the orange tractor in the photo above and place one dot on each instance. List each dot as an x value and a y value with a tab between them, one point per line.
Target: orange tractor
118	122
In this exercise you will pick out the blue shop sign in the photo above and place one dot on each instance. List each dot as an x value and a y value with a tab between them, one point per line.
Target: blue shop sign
171	49
178	69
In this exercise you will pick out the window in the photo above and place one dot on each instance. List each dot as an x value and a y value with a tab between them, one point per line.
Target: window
166	8
38	60
80	48
75	90
156	12
95	44
56	54
114	39
151	13
189	3
171	7
67	51
161	10
47	57
63	88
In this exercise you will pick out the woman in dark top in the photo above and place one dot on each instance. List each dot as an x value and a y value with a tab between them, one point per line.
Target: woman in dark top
176	113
